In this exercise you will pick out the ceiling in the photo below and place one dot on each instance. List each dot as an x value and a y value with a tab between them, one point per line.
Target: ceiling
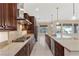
48	11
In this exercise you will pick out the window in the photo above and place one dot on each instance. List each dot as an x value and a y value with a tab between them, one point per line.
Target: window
67	30
58	31
43	29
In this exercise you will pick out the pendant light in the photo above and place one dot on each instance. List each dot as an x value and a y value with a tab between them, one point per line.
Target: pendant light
51	18
57	12
51	22
74	17
57	16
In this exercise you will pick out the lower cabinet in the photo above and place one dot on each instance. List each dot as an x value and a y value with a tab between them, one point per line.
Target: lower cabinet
24	51
32	43
48	41
59	50
55	47
27	48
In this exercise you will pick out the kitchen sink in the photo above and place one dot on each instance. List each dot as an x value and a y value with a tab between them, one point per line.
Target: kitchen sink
21	39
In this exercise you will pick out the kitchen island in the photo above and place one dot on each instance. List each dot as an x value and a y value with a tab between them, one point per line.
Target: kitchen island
18	48
63	47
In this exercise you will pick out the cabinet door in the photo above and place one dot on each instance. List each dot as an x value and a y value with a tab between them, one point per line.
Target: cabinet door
5	15
59	50
14	15
0	15
25	51
48	41
11	21
8	15
31	45
31	26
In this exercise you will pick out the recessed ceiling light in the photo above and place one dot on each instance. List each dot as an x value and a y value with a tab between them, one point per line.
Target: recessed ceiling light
37	9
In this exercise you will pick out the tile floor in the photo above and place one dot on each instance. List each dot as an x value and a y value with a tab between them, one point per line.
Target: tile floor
41	48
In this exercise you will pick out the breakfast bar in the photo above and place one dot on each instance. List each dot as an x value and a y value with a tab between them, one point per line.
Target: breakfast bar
63	47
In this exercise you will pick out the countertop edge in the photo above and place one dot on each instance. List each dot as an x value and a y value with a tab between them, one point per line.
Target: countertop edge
70	50
4	51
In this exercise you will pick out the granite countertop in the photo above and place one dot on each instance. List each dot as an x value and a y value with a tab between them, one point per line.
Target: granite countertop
12	48
71	44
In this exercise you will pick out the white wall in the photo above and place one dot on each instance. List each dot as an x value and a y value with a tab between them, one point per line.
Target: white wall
12	35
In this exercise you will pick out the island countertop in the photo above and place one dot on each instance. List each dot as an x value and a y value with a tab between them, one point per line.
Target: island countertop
12	48
71	44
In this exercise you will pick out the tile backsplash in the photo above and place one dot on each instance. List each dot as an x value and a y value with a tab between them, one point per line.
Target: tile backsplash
3	39
8	36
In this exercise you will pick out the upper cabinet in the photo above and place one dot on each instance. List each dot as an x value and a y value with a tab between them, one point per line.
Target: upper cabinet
8	12
1	14
26	16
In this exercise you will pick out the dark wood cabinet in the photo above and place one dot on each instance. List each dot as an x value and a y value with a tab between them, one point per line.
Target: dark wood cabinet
8	16
2	15
32	28
48	41
27	48
26	16
14	21
59	50
56	48
30	46
24	51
